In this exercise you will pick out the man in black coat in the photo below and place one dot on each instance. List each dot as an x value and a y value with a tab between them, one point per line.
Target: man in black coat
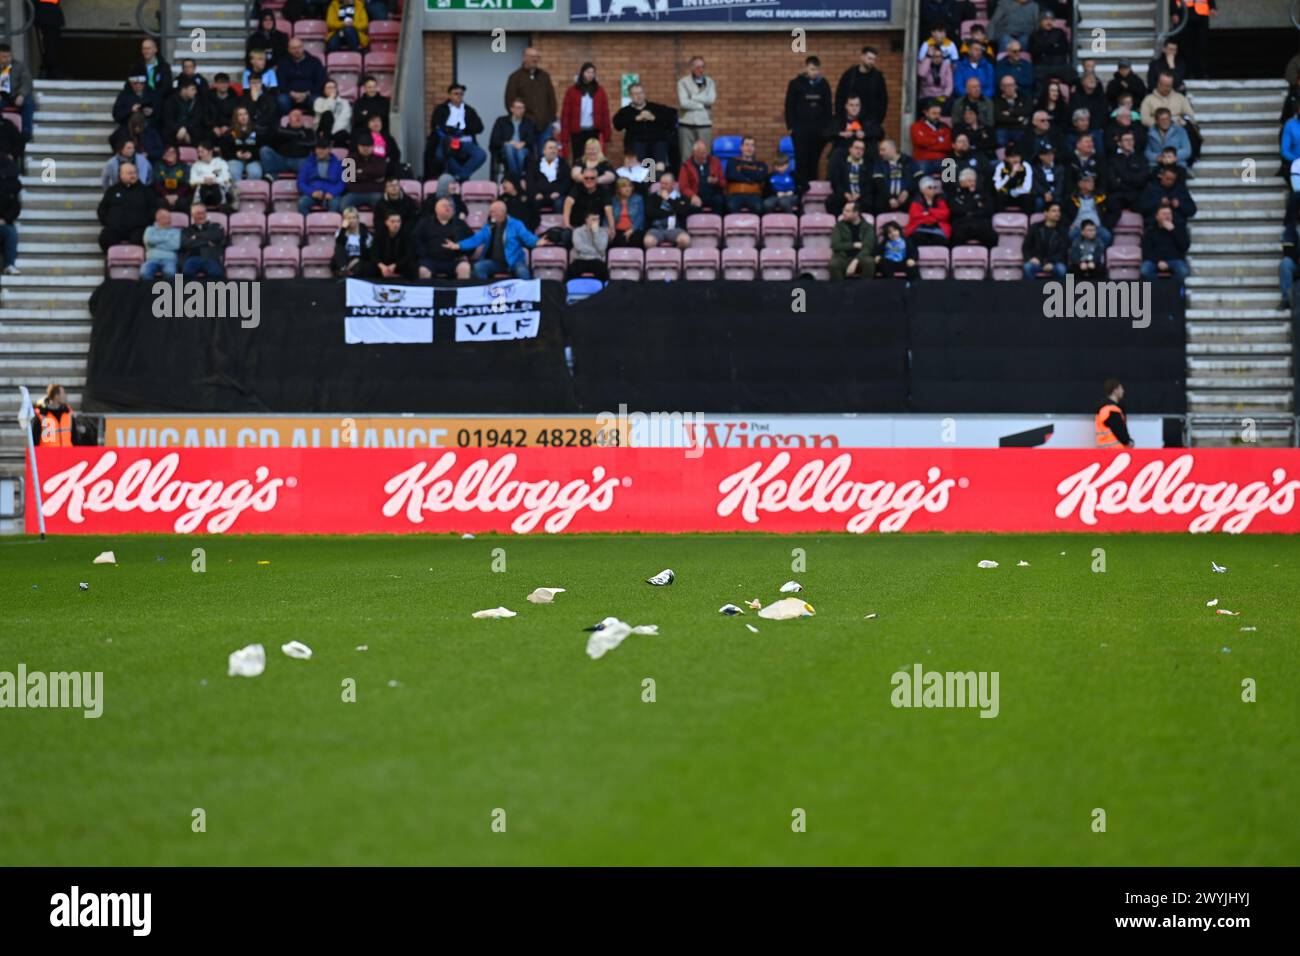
451	146
647	127
868	84
1127	173
809	107
126	210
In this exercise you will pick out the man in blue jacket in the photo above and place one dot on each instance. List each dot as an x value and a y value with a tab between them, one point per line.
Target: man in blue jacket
507	242
973	64
320	180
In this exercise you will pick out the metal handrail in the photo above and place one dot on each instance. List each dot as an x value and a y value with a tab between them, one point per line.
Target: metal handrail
29	8
1167	34
1295	14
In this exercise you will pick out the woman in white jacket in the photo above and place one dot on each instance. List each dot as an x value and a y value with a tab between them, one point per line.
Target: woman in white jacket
210	177
333	115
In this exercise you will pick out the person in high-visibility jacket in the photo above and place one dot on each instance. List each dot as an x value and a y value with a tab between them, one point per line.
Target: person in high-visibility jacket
52	423
1197	33
1110	422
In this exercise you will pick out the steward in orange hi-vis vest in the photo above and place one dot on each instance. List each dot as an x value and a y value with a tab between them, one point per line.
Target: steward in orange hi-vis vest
1110	423
52	423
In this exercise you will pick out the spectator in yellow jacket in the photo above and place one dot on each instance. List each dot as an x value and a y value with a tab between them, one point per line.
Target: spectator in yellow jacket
347	21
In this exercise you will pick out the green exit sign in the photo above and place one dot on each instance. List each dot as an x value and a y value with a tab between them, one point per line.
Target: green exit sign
493	5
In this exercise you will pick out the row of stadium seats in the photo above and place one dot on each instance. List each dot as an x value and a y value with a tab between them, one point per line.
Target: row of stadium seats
662	263
383	34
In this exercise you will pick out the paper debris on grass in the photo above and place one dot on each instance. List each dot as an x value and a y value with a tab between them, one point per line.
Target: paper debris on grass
754	604
651	630
871	617
248	661
83	586
363	647
791	587
544	595
665	576
1022	564
105	557
611	634
1218	569
263	562
1212	603
730	609
787	608
752	628
1250	628
988	564
297	650
1227	612
467	537
494	612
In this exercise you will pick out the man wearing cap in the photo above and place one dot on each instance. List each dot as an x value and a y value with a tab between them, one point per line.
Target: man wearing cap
320	180
456	123
136	97
1050	178
1125	80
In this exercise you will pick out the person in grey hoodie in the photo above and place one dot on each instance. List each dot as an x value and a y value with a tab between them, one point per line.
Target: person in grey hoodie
125	154
696	94
1014	18
162	242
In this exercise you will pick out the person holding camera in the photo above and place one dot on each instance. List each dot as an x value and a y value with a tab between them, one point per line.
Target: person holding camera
455	124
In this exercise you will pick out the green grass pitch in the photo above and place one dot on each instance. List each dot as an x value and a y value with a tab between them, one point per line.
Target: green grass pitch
1118	690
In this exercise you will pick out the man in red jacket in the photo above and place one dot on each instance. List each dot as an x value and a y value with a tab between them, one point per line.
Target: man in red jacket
931	141
702	180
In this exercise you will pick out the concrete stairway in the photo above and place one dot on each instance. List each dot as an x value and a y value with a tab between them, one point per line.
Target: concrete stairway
44	319
225	32
1239	352
1130	29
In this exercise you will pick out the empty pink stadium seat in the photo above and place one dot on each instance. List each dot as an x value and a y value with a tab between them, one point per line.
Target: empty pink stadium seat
280	262
1007	264
1035	219
933	262
344	65
1129	222
1128	239
1010	223
367	218
243	262
384	35
430	188
700	263
284	229
818	191
321	228
816	261
412	188
383	64
254	195
970	262
1124	262
478	195
311	30
663	264
247	228
475	218
15	119
740	264
815	230
550	220
741	230
124	261
885	219
220	219
339	152
777	263
284	195
549	262
180	220
316	260
624	263
187	154
705	230
780	230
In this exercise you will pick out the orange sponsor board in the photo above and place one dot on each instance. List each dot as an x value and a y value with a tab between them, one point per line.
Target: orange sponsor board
324	431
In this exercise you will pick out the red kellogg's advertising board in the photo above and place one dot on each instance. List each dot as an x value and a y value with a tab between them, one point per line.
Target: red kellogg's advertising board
551	490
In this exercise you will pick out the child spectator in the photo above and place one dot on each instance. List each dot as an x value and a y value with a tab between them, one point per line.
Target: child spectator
781	195
172	182
1088	253
896	255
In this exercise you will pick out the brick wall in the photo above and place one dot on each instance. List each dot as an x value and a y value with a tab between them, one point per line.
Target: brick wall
751	70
